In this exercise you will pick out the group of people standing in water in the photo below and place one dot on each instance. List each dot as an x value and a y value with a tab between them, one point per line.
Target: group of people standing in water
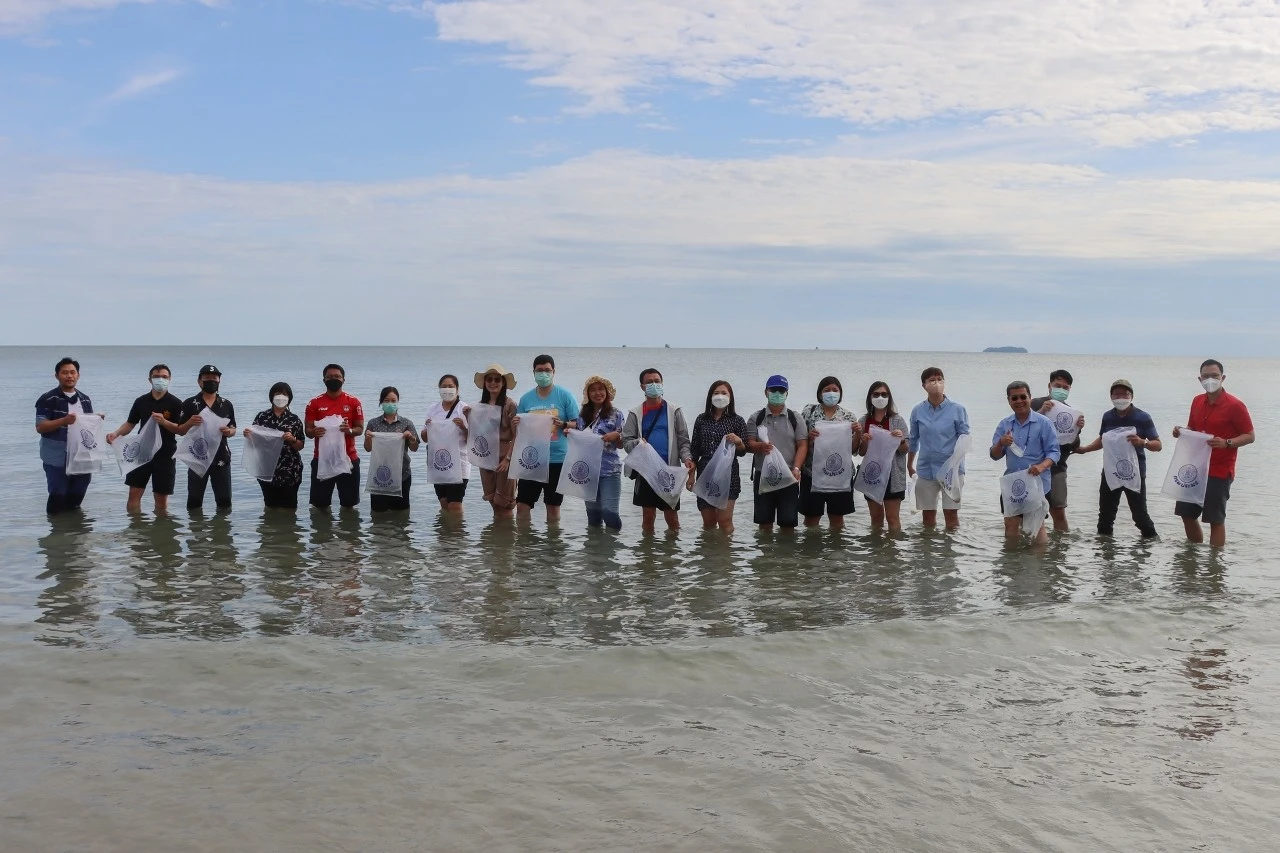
1025	440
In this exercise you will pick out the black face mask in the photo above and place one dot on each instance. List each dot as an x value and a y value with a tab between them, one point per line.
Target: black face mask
209	386
333	383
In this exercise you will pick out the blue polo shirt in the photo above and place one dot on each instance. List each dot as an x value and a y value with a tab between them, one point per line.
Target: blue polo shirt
1038	440
50	407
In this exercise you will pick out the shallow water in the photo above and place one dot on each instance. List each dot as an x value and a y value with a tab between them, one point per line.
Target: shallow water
252	681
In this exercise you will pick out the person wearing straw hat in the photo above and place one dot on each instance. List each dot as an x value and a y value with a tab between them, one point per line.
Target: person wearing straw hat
500	491
599	415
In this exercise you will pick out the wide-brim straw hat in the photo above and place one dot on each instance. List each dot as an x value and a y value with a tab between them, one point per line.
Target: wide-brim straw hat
609	390
501	371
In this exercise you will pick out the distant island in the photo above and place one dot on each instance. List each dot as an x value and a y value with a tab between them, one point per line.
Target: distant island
1005	349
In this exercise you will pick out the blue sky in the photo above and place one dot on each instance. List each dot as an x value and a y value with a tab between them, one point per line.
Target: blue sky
1072	177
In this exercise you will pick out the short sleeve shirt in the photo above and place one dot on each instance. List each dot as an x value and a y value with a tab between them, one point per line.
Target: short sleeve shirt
1139	420
1225	418
440	412
51	406
344	406
168	407
221	407
559	403
782	434
399	425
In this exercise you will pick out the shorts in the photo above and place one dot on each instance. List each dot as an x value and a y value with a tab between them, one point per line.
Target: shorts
452	493
782	505
1046	510
1214	510
348	486
161	472
499	490
888	496
1058	490
527	491
645	496
814	504
928	492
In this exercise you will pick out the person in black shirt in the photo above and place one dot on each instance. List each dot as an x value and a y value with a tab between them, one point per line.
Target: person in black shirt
163	408
220	471
282	490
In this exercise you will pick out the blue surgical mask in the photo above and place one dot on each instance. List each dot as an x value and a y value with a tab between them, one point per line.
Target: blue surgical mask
653	390
777	398
542	378
390	408
830	398
1060	394
159	384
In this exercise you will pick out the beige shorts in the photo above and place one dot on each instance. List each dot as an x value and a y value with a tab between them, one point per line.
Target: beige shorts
928	492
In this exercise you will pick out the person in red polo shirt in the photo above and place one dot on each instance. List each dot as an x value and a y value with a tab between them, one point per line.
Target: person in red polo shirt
335	401
1227	420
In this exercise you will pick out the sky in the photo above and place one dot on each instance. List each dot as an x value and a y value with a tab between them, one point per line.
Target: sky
1084	176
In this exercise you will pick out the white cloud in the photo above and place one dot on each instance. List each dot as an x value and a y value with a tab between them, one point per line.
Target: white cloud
1121	73
143	84
21	16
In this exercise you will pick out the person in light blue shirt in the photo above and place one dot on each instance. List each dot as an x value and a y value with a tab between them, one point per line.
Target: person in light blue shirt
935	426
1026	441
546	398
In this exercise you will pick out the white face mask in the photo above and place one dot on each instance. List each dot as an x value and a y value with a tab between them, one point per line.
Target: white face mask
280	401
448	395
1211	384
1121	403
880	402
720	401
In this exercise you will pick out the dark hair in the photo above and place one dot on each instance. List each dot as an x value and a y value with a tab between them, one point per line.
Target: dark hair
337	367
544	359
163	367
456	384
501	399
588	412
1015	385
649	370
1207	362
929	373
1061	374
390	389
278	388
890	410
57	368
710	409
829	380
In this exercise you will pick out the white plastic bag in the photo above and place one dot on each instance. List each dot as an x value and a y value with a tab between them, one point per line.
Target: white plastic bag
666	480
333	460
199	447
949	474
386	464
1023	494
444	456
87	446
262	449
873	475
716	479
531	455
1064	419
1120	460
833	456
484	429
774	471
580	474
137	448
1188	475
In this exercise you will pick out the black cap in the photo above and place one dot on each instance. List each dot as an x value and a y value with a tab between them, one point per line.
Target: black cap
209	368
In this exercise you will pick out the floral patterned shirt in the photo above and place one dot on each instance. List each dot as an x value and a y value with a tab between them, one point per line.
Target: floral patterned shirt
289	468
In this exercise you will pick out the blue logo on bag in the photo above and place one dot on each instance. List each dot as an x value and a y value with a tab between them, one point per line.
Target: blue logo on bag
480	447
1125	470
772	474
834	466
382	477
130	451
712	489
666	481
442	460
529	458
1018	491
200	449
579	473
871	473
1188	477
87	439
1064	422
949	478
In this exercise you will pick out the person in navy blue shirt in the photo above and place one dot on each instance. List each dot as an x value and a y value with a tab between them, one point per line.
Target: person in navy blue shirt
1124	414
53	416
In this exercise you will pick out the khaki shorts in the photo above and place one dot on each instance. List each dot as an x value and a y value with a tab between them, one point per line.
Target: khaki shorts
928	492
1058	490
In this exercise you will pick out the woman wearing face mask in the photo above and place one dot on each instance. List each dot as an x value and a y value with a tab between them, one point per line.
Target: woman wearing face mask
836	504
282	491
391	421
450	408
598	415
882	414
719	420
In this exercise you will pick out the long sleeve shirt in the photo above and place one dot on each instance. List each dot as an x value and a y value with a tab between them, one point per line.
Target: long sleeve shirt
933	433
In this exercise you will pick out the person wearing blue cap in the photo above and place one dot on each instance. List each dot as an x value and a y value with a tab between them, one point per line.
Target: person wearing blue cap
787	432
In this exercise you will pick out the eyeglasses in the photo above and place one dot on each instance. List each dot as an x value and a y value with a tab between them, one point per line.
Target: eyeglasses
489	380
1019	398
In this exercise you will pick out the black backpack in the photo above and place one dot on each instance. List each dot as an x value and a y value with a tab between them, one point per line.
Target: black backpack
758	420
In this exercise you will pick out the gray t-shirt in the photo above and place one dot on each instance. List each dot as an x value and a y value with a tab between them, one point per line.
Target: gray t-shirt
400	424
781	434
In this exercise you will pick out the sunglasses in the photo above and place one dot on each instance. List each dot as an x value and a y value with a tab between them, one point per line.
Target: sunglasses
1019	398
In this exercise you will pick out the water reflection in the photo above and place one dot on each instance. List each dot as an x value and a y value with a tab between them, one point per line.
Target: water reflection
279	563
1034	574
68	605
332	602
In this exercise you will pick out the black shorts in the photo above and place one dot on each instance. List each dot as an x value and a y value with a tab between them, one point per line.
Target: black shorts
645	496
889	496
780	505
1214	510
161	472
348	486
452	493
528	491
814	504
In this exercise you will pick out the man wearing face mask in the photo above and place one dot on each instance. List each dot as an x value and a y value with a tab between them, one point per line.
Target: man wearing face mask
546	398
787	431
935	426
1227	420
1059	390
164	408
663	427
335	401
1124	414
219	472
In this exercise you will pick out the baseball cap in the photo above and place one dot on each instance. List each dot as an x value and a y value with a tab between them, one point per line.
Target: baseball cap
777	380
1122	383
210	369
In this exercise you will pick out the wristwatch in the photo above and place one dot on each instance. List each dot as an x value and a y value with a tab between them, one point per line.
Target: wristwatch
1228	442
